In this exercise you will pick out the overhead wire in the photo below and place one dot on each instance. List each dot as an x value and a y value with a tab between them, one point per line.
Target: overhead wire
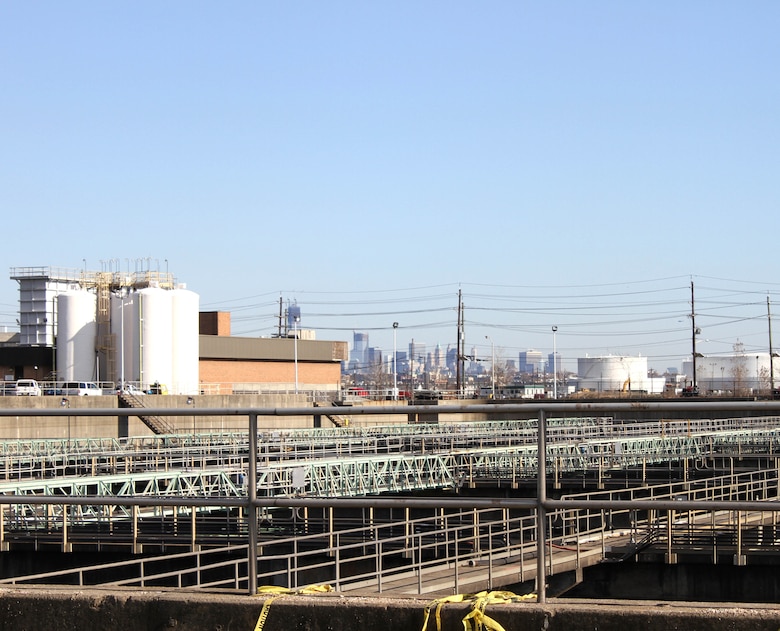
585	312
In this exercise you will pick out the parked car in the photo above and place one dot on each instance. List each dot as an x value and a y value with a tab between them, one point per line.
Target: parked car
81	388
128	389
27	388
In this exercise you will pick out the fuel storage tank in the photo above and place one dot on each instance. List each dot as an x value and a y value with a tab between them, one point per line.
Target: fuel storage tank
76	335
616	373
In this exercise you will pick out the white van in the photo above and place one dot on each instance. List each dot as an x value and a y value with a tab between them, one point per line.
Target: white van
28	388
81	389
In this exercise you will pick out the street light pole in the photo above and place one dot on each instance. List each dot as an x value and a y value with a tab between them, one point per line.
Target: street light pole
295	346
492	367
64	402
555	363
191	401
395	368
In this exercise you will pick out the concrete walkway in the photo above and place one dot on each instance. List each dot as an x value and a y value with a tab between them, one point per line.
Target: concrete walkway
74	609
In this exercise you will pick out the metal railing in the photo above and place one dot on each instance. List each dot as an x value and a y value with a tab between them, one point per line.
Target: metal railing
536	538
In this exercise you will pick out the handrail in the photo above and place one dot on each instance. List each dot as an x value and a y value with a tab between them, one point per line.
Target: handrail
541	505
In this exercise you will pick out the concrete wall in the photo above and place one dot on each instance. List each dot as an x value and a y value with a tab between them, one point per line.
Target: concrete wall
121	609
75	426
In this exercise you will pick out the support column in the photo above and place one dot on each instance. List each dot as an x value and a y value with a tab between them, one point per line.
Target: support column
251	508
541	513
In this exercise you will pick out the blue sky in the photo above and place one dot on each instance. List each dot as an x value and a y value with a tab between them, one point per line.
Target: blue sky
569	163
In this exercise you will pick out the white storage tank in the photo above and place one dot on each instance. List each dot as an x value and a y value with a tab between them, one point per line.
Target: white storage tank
76	335
612	373
185	342
124	326
155	334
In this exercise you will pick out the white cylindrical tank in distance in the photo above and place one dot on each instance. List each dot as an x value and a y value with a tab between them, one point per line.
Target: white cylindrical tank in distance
155	328
612	373
185	349
76	335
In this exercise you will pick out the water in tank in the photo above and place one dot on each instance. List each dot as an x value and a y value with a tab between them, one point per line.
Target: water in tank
76	335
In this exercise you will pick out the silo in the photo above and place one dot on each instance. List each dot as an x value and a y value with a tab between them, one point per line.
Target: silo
155	326
76	335
132	338
185	346
123	330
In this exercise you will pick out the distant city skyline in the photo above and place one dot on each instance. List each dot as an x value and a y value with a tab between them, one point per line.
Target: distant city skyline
648	318
645	318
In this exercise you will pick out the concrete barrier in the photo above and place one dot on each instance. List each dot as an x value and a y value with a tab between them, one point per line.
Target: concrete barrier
70	609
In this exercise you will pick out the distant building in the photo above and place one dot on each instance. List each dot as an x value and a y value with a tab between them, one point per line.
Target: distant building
554	363
530	362
417	356
293	317
373	358
359	355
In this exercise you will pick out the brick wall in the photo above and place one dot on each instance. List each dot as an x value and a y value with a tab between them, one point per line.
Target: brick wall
234	371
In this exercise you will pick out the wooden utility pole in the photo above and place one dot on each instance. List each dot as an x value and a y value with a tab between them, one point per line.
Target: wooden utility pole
459	364
771	352
694	332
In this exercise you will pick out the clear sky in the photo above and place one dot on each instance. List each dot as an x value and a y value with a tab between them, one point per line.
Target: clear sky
567	163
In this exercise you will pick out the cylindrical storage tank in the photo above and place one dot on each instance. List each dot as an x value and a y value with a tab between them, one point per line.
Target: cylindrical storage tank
185	348
123	328
155	329
132	338
116	338
76	335
612	373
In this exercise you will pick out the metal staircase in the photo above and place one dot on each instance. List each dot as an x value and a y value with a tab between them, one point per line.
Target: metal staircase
157	424
338	421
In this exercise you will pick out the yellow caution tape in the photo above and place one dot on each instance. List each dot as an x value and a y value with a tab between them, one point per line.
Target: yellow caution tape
476	619
283	591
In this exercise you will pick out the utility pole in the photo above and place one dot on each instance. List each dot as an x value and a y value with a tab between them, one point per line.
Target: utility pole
771	352
694	333
459	364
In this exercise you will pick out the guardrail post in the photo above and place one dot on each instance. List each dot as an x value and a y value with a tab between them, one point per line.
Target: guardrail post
66	546
193	531
541	498
671	557
134	518
251	509
739	558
